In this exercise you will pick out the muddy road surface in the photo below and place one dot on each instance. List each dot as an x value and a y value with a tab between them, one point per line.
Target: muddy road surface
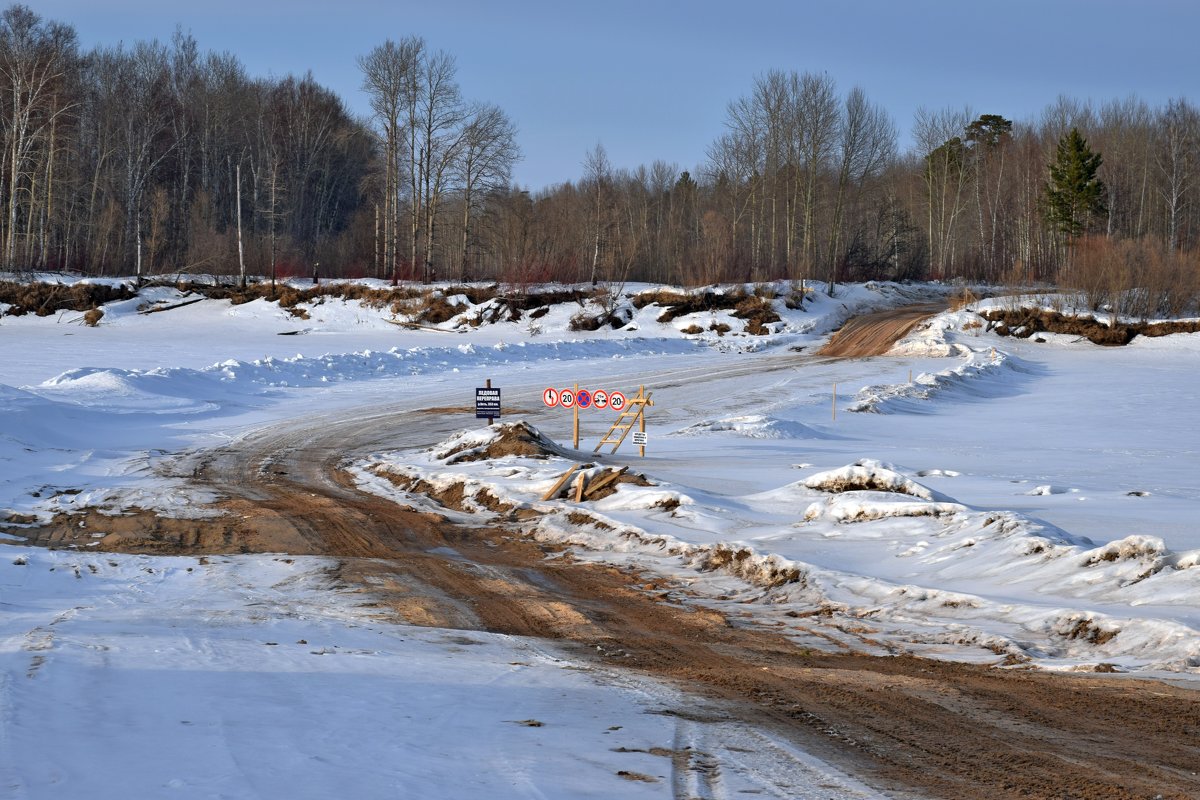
907	726
874	334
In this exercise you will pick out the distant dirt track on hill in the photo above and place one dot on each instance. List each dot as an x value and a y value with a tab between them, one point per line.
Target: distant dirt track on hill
874	334
913	728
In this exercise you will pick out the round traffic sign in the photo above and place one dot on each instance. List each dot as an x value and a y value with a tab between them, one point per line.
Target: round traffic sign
616	401
584	398
566	398
550	397
600	399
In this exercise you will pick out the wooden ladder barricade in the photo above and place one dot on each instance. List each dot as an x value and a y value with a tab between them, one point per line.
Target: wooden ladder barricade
635	413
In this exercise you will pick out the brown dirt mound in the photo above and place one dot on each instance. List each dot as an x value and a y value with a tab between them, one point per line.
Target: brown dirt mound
512	439
1025	322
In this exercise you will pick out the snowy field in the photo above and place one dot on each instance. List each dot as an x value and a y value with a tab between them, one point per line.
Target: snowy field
1016	503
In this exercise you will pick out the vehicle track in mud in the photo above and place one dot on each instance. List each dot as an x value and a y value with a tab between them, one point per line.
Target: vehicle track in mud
874	334
909	726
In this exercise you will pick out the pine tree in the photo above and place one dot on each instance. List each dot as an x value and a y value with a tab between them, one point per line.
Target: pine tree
1074	194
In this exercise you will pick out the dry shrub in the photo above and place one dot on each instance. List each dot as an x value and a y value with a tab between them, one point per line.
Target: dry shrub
662	297
44	299
693	329
584	321
434	309
1025	322
758	312
720	328
962	298
1136	278
92	317
796	297
679	305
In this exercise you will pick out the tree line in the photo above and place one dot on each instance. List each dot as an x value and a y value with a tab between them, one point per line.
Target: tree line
162	159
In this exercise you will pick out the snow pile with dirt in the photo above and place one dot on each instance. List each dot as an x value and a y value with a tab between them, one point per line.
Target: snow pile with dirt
945	577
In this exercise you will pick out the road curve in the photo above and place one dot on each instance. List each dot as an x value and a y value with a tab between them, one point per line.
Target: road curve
874	334
911	727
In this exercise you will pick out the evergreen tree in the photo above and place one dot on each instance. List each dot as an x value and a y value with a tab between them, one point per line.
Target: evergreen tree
1074	194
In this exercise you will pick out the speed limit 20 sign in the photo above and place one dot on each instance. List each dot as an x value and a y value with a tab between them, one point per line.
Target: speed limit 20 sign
598	399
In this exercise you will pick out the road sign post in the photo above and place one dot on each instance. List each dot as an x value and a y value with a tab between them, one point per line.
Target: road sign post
630	413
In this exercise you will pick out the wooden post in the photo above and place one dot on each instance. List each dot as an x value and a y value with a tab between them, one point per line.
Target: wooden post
575	408
835	402
489	385
642	421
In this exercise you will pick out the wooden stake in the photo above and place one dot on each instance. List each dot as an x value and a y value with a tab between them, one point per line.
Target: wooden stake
603	481
642	422
558	484
575	408
580	485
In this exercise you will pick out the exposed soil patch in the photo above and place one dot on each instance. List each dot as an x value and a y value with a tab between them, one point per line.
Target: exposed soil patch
1025	322
512	439
874	334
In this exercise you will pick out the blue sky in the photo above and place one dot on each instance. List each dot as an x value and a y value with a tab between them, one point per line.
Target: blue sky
651	80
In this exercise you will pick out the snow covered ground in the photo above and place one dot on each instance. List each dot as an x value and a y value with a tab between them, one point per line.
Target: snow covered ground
1015	503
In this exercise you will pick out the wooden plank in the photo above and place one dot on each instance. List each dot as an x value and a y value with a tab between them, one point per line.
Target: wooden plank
559	483
418	326
580	484
603	481
156	309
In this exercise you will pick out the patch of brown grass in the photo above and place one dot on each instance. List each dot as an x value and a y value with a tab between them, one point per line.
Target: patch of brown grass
758	311
1088	631
92	317
962	298
435	308
1024	322
44	299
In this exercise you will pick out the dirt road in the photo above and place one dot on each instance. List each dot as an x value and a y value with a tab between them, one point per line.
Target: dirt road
911	727
874	334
